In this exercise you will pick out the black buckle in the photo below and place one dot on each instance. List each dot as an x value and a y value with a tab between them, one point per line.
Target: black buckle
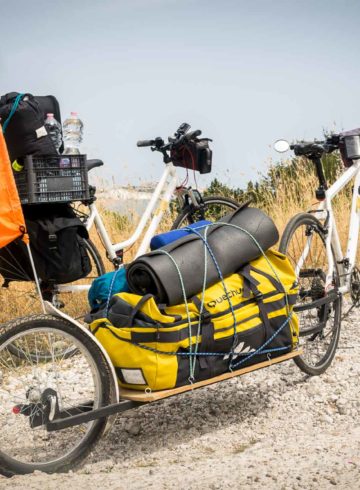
205	316
52	239
258	296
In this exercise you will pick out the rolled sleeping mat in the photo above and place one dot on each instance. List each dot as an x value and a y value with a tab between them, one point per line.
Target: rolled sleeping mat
156	273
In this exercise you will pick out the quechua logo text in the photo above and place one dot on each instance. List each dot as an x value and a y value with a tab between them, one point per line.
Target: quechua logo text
225	297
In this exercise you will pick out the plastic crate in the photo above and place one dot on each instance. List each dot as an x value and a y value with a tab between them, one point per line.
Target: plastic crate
51	179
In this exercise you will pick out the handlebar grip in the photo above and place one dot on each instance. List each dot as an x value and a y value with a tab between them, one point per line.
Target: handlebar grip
305	148
145	143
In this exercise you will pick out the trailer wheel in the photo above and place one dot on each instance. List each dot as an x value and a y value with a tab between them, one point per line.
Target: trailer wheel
35	389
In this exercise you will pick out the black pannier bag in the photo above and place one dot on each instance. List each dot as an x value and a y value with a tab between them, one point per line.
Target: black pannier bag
57	244
25	133
194	155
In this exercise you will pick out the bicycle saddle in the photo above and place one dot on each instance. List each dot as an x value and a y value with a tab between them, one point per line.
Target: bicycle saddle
94	163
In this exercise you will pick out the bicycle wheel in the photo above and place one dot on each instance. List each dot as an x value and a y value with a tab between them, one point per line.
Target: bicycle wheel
18	298
320	320
214	208
31	389
70	303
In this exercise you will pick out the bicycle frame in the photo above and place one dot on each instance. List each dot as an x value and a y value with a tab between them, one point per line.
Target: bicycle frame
159	200
345	262
159	203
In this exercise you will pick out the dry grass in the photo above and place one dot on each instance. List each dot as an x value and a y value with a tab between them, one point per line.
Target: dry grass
120	228
298	195
291	195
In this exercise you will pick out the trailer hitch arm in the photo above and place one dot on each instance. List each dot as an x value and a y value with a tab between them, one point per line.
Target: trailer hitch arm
62	420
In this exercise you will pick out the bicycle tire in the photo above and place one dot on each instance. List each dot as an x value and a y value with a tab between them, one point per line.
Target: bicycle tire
14	450
190	215
95	254
311	280
57	299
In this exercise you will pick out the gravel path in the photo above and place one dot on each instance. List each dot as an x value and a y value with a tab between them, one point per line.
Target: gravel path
273	429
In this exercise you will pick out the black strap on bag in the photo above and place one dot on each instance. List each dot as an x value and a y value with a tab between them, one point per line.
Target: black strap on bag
52	235
252	284
137	308
207	333
207	344
277	285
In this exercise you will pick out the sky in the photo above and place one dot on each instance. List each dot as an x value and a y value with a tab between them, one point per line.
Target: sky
244	72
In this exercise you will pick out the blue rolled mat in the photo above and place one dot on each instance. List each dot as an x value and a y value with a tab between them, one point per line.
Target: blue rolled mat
159	241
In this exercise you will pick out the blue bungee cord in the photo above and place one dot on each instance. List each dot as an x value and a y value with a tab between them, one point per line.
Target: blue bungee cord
208	248
191	359
192	374
12	112
112	288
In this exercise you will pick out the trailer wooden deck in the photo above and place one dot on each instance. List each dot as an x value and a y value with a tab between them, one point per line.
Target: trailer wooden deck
146	397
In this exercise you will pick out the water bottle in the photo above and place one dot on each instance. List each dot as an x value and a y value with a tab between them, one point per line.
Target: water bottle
73	133
53	129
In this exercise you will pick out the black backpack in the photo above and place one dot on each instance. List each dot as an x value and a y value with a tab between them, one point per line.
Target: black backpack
23	127
57	244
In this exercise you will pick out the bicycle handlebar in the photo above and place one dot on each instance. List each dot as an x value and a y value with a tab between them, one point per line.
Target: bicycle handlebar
181	135
307	148
316	148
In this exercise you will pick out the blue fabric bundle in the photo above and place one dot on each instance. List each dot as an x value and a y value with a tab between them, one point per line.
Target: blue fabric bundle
159	241
105	286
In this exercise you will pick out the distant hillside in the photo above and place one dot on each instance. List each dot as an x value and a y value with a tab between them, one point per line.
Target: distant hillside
125	200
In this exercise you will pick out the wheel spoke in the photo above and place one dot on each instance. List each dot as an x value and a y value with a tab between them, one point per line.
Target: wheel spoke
24	382
319	347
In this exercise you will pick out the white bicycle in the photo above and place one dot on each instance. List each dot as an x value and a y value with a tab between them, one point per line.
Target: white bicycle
191	206
311	241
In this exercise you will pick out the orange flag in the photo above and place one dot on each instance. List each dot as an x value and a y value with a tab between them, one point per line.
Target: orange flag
12	222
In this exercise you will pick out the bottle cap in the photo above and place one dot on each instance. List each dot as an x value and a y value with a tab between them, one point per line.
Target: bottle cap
17	166
75	114
50	114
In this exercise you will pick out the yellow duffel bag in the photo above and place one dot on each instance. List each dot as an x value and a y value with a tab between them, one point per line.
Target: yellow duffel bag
241	320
